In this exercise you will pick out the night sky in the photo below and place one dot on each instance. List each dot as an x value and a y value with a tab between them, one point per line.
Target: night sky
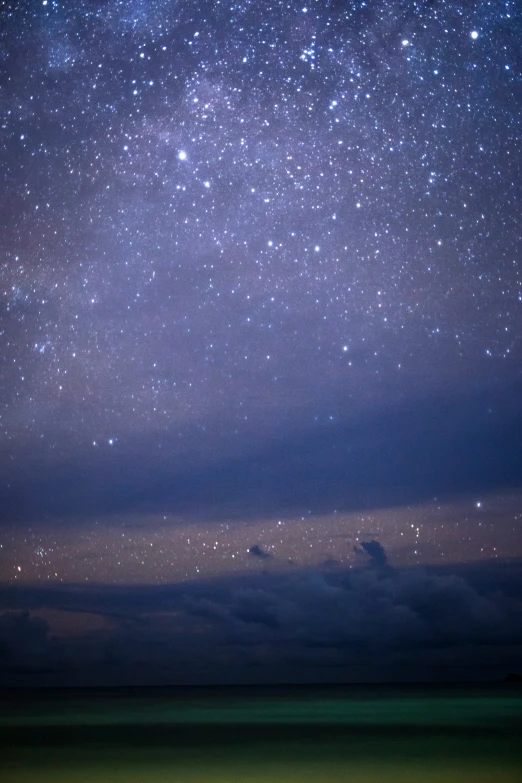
261	340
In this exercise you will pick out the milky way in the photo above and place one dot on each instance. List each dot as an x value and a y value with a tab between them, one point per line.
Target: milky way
274	234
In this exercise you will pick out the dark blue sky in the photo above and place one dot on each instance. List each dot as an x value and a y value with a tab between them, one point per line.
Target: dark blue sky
260	301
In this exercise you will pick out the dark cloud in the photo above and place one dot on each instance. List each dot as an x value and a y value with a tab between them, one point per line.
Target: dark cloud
26	644
360	624
257	551
376	552
428	447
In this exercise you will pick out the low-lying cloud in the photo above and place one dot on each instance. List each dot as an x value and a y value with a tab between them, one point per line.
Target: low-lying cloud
372	622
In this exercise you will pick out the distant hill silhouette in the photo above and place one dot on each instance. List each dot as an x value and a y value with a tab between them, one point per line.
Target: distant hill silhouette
513	677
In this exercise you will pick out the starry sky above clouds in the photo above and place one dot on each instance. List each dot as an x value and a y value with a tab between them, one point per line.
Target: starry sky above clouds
260	286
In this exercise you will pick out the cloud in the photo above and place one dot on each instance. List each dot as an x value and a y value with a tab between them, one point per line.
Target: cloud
427	448
257	551
25	643
364	623
376	552
371	618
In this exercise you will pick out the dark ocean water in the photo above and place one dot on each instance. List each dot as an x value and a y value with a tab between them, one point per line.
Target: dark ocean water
251	735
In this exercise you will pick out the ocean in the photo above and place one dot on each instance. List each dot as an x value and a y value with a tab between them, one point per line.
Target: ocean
357	734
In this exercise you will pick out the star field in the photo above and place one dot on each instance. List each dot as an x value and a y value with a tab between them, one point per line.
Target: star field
224	221
137	549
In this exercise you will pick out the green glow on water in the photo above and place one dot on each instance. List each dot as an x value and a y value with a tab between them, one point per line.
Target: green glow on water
449	711
321	740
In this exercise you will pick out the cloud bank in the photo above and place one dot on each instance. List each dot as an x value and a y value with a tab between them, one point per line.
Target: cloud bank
372	622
